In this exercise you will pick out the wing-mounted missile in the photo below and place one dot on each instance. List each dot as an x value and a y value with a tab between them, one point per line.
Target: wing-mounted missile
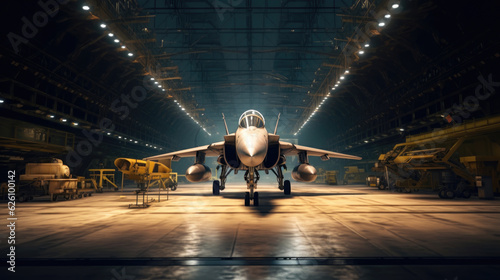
304	173
139	170
198	173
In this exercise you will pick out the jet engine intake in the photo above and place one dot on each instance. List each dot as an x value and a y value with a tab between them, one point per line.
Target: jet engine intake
304	173
198	173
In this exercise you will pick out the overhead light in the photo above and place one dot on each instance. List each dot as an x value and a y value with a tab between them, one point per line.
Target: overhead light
395	6
103	25
147	145
347	71
111	34
135	142
387	16
123	47
336	85
367	45
131	140
361	52
117	41
163	89
1	101
86	7
342	77
152	79
75	124
51	116
64	120
366	141
183	109
156	83
401	129
175	101
130	54
119	137
381	24
109	133
159	86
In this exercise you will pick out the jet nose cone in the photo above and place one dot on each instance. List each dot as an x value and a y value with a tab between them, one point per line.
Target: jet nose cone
252	153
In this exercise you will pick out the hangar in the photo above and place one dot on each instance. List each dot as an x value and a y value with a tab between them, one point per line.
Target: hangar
388	110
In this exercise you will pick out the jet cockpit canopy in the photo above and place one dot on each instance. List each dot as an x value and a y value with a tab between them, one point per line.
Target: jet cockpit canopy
251	118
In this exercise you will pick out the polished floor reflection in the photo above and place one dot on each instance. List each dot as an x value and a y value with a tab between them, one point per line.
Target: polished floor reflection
319	232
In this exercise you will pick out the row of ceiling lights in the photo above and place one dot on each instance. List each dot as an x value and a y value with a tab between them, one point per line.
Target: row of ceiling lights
116	40
64	120
342	77
110	34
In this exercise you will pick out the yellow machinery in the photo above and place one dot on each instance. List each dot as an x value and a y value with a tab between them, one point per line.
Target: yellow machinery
103	178
354	175
446	160
147	173
331	177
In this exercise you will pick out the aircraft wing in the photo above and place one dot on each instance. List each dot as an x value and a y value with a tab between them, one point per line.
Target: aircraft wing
292	149
211	150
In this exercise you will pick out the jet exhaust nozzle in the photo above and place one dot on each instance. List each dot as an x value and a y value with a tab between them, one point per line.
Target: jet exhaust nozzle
304	173
198	173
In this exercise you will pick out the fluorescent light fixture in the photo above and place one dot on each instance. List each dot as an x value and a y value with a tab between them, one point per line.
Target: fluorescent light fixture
401	129
117	41
395	6
164	90
109	133
52	116
86	7
111	34
159	86
366	141
136	142
342	77
130	54
156	83
64	120
387	16
347	71
123	47
367	45
361	52
119	137
381	24
75	124
152	79
103	25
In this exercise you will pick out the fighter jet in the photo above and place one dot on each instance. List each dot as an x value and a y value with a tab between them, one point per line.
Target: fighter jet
251	149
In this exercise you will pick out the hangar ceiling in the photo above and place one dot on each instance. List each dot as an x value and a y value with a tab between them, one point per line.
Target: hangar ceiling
213	57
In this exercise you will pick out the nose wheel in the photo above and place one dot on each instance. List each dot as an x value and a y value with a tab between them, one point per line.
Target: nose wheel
252	176
255	199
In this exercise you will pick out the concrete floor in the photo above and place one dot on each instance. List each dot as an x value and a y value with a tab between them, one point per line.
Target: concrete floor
320	232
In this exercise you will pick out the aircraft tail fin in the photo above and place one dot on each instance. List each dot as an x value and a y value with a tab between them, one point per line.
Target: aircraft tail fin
276	128
225	124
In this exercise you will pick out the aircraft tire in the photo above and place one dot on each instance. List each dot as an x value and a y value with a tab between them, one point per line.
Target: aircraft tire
247	199
256	198
215	188
287	187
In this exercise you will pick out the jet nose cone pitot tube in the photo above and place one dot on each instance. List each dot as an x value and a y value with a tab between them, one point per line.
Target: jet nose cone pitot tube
252	149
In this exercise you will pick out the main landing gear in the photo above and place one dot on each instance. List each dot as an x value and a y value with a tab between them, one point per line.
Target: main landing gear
220	185
283	185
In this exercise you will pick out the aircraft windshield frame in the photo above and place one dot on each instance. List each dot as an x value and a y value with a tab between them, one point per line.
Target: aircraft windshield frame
252	118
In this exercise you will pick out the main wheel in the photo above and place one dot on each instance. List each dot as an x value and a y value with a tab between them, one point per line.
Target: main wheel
215	187
256	198
174	187
247	199
287	187
381	187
